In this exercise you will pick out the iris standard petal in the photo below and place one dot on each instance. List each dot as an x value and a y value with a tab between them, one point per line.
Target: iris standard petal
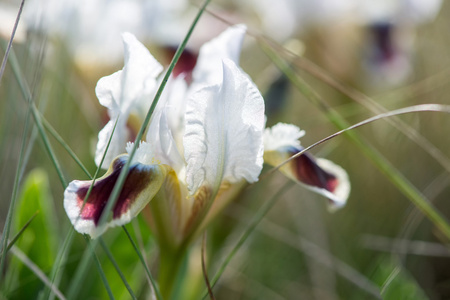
141	185
134	82
123	92
227	45
116	147
223	132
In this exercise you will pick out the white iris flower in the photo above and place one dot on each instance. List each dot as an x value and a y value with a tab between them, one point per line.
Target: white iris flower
205	139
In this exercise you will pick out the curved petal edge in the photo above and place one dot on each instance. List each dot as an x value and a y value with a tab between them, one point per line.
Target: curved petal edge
141	185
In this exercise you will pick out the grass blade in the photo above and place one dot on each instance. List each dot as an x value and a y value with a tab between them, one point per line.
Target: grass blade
36	270
17	236
72	154
116	266
147	270
205	273
99	267
8	48
367	102
93	244
376	157
250	228
7	227
36	115
311	250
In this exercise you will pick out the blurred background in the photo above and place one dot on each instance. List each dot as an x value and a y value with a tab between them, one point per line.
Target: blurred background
351	55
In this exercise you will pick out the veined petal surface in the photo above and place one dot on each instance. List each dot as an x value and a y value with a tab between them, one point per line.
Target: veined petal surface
141	185
167	126
208	70
223	131
123	92
135	82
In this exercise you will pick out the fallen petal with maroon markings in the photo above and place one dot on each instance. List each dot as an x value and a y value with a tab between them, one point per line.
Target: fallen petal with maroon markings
319	175
142	183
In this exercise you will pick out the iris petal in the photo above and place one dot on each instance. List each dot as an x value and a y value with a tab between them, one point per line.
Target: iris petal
141	185
124	92
319	175
223	132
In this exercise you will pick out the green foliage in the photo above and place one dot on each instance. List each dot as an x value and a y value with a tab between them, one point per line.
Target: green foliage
39	240
395	281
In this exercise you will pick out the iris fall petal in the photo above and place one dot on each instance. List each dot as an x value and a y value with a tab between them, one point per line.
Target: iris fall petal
319	175
141	185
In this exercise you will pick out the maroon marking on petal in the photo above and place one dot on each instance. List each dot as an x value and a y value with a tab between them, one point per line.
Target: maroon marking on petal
383	45
185	64
308	171
137	179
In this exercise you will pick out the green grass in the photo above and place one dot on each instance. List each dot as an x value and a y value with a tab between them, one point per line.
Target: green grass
277	240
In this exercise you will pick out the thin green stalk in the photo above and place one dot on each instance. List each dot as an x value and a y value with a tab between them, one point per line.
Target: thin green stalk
60	260
75	286
37	271
99	267
263	210
141	258
370	104
61	141
62	256
7	227
170	264
5	58
36	115
19	234
116	266
407	188
204	270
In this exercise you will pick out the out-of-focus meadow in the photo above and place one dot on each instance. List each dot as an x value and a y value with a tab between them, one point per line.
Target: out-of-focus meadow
379	245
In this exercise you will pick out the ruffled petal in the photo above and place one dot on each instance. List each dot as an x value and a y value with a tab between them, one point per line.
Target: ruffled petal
126	91
319	175
282	135
223	132
141	185
208	70
135	82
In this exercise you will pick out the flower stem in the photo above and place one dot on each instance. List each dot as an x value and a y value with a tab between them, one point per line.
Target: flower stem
170	271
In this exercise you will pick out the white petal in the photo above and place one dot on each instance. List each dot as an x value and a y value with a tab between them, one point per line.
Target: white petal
319	175
141	185
282	135
143	182
136	82
223	133
144	154
117	145
125	91
227	45
167	126
342	191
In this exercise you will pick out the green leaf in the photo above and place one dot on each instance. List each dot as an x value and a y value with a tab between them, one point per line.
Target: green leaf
39	240
396	283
